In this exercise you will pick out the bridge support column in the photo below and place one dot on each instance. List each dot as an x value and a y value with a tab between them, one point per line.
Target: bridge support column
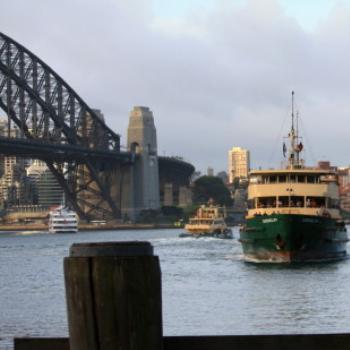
144	177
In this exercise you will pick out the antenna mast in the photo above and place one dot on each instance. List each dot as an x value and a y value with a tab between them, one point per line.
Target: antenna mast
292	110
295	147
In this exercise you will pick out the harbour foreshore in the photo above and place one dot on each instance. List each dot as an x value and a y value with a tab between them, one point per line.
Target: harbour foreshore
86	227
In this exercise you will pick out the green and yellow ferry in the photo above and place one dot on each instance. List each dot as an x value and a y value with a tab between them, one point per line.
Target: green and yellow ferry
293	213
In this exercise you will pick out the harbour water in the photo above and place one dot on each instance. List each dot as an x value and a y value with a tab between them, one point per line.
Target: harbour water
207	288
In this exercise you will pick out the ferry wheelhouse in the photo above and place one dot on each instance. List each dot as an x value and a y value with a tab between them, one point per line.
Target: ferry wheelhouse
293	213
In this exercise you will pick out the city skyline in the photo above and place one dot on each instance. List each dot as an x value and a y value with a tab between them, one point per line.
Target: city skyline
214	73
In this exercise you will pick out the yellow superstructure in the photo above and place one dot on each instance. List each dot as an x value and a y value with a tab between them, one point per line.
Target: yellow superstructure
207	220
305	191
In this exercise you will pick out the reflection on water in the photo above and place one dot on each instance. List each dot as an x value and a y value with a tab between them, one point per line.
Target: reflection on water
207	288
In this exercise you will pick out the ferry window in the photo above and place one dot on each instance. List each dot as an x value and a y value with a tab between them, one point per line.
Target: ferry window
282	178
292	178
266	202
301	178
310	179
255	179
283	201
315	202
328	178
265	179
291	201
296	201
273	179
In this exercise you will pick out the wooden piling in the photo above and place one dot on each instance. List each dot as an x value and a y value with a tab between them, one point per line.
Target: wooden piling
113	292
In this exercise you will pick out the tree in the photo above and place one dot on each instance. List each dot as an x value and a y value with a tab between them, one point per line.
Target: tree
211	187
173	211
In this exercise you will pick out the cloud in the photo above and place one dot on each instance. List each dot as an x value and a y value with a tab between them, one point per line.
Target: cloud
214	79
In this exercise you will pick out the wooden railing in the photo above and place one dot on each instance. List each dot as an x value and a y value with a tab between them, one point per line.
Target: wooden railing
232	342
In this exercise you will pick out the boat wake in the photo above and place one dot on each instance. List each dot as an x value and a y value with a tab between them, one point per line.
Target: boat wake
30	233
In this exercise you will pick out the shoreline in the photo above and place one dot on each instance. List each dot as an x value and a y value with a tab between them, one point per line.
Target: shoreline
88	227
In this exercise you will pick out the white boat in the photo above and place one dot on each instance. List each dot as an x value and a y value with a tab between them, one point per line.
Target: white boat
63	220
208	222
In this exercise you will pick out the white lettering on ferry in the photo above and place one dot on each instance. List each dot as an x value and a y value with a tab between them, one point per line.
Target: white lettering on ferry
314	221
266	221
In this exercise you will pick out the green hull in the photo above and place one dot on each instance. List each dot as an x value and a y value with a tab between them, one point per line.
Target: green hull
293	238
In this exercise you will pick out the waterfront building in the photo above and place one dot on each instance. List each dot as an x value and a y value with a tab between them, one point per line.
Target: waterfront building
223	176
185	196
12	171
46	188
343	181
3	129
12	184
15	187
238	163
344	188
168	197
49	191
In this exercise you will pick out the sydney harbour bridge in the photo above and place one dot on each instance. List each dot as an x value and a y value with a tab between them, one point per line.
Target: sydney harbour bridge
56	126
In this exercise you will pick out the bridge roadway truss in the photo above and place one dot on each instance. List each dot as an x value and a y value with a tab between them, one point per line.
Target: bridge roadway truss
55	125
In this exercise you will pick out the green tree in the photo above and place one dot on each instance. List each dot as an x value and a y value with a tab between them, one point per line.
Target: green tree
173	211
211	187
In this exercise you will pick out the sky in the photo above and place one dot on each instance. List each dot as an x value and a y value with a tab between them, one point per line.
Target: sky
215	73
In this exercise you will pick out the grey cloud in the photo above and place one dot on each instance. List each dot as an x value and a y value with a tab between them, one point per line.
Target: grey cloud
225	81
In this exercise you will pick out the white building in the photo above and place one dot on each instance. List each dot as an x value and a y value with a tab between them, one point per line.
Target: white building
238	163
210	171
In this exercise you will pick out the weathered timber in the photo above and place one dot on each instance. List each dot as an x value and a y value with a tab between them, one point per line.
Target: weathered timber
114	296
260	342
234	342
41	344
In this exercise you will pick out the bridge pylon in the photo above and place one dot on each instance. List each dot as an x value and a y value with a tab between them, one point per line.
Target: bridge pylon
144	175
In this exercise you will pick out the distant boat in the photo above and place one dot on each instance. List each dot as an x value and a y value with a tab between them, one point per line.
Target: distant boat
63	220
209	221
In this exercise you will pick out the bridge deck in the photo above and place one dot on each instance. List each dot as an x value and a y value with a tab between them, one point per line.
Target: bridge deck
58	152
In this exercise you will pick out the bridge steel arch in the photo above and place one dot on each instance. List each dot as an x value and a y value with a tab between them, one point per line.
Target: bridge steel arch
46	109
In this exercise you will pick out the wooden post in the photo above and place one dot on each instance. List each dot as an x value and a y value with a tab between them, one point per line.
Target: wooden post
113	292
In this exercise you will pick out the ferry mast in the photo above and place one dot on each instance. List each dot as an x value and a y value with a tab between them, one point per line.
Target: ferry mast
295	148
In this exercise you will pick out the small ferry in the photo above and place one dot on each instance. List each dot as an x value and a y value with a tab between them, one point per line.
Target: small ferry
209	221
63	220
293	212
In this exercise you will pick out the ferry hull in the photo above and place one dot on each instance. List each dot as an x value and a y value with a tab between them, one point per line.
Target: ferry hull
293	238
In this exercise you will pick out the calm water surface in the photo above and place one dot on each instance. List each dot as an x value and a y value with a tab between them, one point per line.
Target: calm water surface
207	288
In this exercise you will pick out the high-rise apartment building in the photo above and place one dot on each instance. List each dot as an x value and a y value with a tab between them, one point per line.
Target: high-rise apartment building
12	182
238	163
